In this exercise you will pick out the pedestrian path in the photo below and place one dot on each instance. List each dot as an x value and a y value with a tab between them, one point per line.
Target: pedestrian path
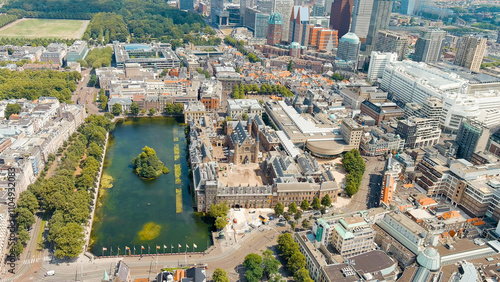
34	260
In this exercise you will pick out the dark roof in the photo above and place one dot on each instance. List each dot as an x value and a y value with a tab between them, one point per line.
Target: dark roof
197	274
123	271
239	134
372	261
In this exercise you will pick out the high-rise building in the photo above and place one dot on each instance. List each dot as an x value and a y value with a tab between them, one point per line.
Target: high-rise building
186	4
470	52
349	46
265	6
432	108
419	132
299	25
429	46
274	30
378	61
379	20
391	41
407	7
472	137
257	22
284	7
322	38
340	16
361	15
318	10
244	4
328	6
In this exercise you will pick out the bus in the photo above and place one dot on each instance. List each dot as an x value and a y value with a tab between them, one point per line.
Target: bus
263	219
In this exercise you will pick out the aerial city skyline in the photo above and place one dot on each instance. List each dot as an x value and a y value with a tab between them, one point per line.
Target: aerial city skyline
250	140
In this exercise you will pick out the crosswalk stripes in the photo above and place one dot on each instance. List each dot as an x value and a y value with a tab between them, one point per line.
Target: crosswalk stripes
33	260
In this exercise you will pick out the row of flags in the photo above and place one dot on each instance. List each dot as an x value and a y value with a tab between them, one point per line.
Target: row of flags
157	247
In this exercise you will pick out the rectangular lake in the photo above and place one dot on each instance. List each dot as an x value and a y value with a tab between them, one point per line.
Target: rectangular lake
138	212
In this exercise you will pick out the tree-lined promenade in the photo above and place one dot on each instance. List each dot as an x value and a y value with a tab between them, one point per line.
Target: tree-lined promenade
67	196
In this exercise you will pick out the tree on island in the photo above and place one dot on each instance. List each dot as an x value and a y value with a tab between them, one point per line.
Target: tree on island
148	165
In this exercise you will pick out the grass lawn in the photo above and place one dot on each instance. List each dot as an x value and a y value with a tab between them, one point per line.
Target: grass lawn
33	28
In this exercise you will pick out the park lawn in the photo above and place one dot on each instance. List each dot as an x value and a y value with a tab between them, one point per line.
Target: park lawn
36	28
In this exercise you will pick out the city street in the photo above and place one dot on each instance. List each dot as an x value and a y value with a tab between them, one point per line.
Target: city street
147	266
369	191
85	95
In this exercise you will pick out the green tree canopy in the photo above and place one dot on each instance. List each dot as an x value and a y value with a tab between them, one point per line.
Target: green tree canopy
28	201
271	264
305	223
220	223
134	108
117	109
278	209
296	262
24	217
297	215
326	201
304	205
69	242
254	270
316	204
11	109
219	210
302	275
220	275
292	208
148	165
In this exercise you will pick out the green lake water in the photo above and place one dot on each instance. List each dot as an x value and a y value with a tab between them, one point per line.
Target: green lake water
132	203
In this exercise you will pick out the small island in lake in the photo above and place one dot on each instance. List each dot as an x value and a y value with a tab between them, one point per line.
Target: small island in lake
148	165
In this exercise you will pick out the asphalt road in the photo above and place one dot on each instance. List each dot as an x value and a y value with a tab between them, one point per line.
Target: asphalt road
368	195
31	259
85	95
229	259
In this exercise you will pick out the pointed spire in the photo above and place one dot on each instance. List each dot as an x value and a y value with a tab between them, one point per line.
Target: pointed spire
106	276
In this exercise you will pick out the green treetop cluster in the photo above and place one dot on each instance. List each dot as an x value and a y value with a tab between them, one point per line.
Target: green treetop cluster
258	266
240	91
219	212
131	20
34	84
66	196
296	261
148	165
355	167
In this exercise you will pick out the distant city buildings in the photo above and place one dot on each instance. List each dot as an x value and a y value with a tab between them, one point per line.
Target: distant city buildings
391	41
378	61
470	52
284	7
77	51
379	20
340	16
299	26
349	46
275	29
55	54
361	16
429	46
157	56
322	38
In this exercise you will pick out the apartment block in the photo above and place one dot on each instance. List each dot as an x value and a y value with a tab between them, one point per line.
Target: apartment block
419	132
352	236
378	61
470	52
393	42
322	38
379	143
